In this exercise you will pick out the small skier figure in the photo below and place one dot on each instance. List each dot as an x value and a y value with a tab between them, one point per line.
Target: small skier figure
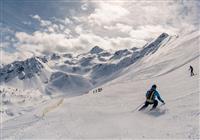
100	89
150	98
97	90
191	71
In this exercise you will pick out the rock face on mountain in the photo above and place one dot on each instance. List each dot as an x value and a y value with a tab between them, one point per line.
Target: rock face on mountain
61	81
22	69
153	46
69	73
96	50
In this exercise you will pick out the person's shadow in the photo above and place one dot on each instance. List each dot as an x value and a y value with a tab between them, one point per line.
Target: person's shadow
157	112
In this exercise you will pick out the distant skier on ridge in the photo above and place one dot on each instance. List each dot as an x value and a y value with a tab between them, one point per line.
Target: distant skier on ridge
151	96
191	71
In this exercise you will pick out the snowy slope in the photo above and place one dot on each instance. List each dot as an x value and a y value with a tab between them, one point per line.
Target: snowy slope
111	113
176	53
17	102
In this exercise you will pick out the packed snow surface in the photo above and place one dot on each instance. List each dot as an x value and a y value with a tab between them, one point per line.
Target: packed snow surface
112	113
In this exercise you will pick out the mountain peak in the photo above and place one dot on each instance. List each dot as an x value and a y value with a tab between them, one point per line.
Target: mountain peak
23	69
95	50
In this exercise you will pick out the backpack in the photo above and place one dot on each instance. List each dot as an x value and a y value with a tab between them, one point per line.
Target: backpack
150	96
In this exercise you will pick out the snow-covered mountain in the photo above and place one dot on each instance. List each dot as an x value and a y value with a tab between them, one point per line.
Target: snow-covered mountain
124	76
66	73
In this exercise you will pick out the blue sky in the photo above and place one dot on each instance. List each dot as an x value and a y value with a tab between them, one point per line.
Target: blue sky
34	27
16	11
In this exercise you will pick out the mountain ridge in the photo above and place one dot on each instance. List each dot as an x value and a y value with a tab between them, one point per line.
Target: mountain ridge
94	67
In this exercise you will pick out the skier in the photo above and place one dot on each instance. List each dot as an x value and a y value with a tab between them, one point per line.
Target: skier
191	71
151	96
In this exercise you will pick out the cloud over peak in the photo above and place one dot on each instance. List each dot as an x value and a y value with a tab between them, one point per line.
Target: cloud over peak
106	13
108	24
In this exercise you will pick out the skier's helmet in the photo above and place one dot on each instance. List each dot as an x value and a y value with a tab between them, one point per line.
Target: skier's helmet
154	86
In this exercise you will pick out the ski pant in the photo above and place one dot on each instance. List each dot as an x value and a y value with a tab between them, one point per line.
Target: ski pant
155	103
192	73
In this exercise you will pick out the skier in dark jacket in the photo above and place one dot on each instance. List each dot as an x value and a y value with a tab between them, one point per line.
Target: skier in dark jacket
151	96
191	71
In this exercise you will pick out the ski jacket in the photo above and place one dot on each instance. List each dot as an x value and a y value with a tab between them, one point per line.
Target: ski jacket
191	68
155	95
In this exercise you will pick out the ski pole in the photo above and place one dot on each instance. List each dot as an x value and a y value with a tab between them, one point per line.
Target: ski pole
137	107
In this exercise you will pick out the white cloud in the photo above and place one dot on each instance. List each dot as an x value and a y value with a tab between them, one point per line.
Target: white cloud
67	32
141	13
110	25
149	32
37	17
26	22
120	27
40	42
65	21
51	29
77	19
84	7
78	30
54	25
61	27
9	57
126	42
44	41
44	23
106	13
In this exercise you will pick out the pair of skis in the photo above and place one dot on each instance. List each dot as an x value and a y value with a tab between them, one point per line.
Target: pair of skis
136	109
